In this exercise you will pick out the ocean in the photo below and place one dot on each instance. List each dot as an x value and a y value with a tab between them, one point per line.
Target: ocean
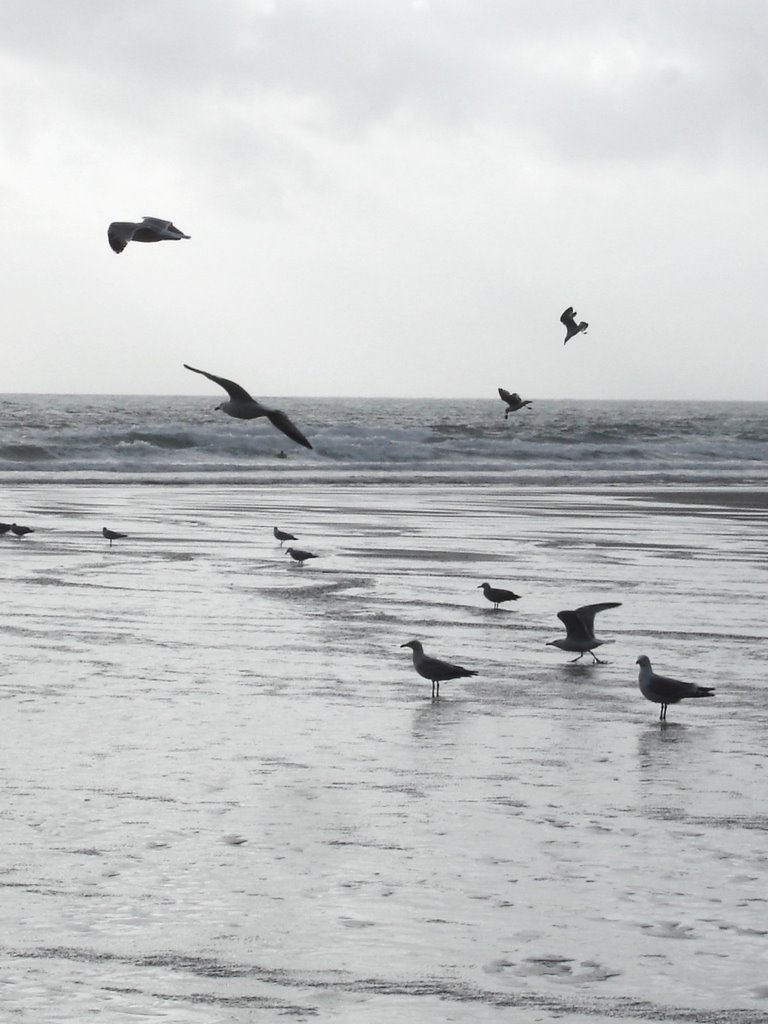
227	795
176	439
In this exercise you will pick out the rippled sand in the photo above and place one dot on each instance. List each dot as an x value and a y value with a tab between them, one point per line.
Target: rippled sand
227	796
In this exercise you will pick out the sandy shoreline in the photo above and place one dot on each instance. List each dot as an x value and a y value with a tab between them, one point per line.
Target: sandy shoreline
535	839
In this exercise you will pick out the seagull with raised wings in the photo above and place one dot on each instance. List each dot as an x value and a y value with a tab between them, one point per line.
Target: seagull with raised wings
513	400
243	407
580	630
151	229
568	320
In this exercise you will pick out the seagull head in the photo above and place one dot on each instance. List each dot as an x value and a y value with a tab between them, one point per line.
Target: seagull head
415	645
483	586
643	661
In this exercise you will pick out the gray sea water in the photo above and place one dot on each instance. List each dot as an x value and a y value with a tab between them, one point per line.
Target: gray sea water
92	438
228	797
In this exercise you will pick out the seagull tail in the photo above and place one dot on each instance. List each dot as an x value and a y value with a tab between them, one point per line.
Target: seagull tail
705	691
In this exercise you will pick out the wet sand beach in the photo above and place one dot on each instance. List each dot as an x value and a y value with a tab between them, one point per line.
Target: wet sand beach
228	797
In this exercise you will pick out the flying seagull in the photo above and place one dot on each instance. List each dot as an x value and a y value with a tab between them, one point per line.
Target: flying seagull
513	400
568	320
300	556
111	535
496	595
433	669
664	691
151	229
580	630
281	535
243	407
20	531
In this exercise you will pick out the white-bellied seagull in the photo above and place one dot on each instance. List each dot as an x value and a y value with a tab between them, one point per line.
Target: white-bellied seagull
568	320
664	691
580	630
151	229
243	407
434	669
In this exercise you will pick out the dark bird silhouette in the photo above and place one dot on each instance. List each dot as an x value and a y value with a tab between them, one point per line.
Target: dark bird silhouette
300	556
664	691
112	535
580	630
496	595
4	528
433	669
281	535
568	320
513	400
243	407
20	531
151	229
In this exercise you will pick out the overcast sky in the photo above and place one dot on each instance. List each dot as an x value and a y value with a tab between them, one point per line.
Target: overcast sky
386	197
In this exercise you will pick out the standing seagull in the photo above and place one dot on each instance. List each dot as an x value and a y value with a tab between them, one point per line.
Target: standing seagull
513	400
568	320
281	535
580	630
300	556
112	535
496	595
433	669
20	531
151	229
243	407
664	691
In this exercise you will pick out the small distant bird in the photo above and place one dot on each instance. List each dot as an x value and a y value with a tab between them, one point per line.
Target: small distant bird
243	407
151	229
281	535
112	535
568	320
433	669
664	691
300	556
513	400
4	528
496	595
20	531
580	630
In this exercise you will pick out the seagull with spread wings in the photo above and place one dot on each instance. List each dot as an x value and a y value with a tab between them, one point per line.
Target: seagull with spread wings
151	229
243	407
580	630
513	400
568	320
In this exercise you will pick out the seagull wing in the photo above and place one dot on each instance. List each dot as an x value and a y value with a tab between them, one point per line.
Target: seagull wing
567	316
235	392
574	626
589	611
434	668
119	234
280	420
670	690
505	396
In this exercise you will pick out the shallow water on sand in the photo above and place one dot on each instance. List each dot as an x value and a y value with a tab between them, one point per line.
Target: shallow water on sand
229	797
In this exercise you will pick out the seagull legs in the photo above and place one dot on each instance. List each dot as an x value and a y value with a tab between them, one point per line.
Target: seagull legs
435	689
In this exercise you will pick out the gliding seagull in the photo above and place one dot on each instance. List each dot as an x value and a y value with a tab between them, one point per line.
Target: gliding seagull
243	407
580	630
151	229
